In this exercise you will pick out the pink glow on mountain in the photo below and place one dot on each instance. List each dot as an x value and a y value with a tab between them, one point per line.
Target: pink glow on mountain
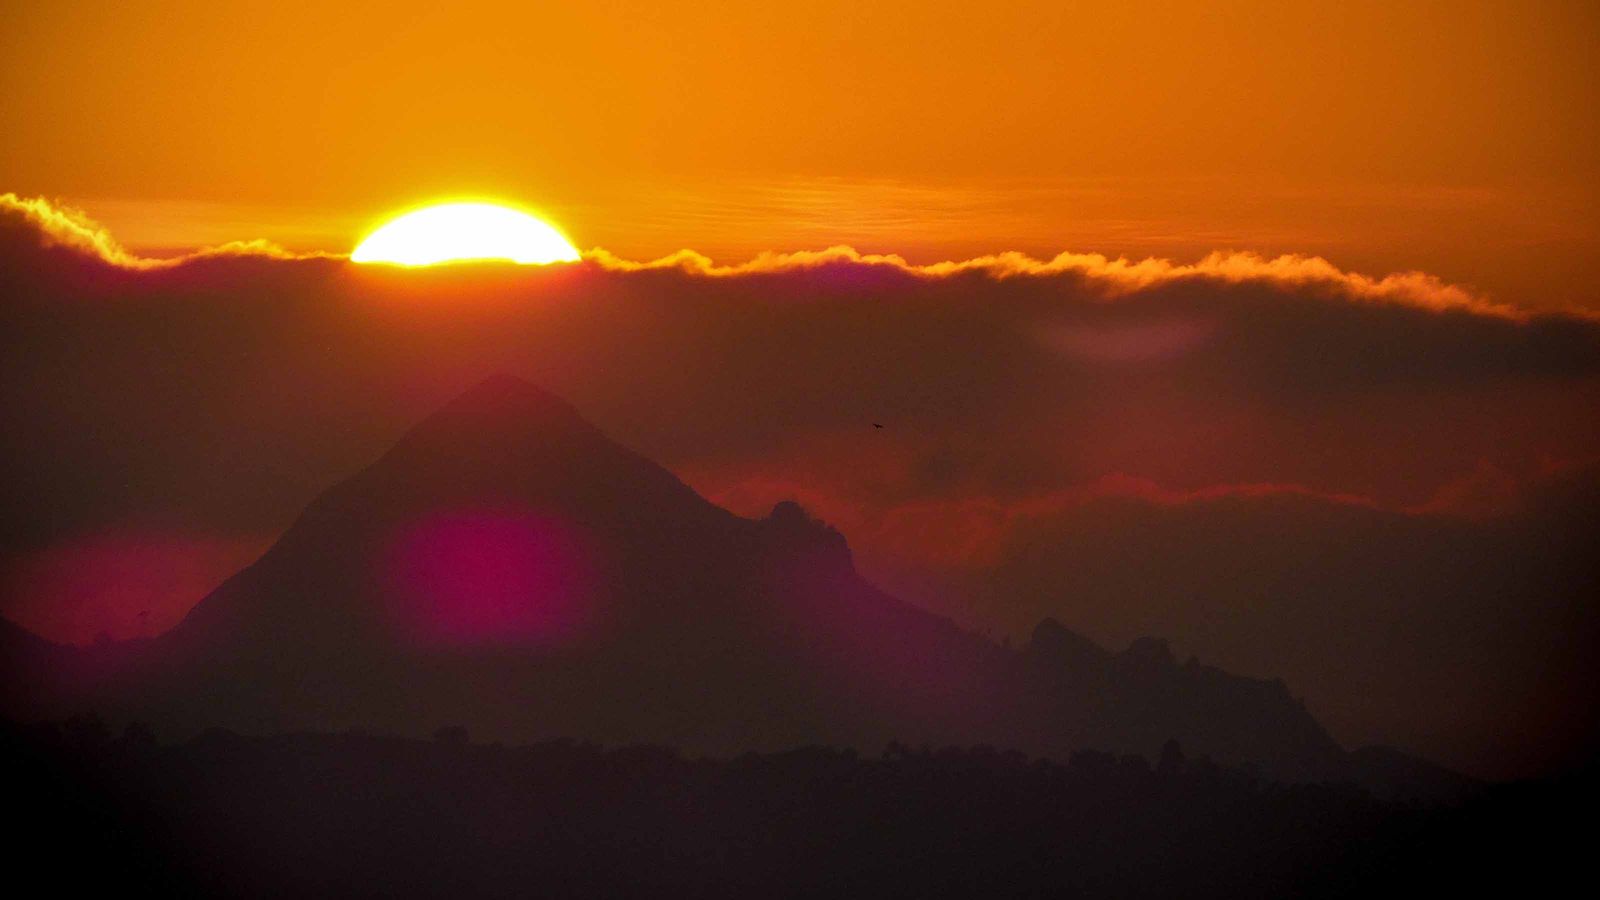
488	577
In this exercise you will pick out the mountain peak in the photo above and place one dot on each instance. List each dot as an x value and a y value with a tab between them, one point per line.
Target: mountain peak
507	443
504	420
507	398
504	384
1151	651
798	530
1054	641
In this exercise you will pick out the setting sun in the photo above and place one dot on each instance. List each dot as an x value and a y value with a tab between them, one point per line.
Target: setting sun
465	231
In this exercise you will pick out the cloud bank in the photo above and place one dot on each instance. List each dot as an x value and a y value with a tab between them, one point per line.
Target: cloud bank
60	225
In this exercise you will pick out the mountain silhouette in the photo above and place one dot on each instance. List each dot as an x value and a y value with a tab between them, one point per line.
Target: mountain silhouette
508	568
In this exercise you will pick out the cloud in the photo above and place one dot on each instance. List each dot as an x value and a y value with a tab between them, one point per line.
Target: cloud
1116	277
64	226
58	225
1342	432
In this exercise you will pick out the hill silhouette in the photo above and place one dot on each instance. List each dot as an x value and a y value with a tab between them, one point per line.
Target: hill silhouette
508	568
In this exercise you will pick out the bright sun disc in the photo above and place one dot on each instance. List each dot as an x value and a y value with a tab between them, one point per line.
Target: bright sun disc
465	231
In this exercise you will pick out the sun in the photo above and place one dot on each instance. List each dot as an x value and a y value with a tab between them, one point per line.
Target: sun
451	232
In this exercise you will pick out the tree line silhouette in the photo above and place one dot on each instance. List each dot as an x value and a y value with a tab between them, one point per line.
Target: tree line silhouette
353	814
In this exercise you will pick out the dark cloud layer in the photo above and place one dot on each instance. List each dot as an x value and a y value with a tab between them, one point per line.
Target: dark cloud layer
1221	453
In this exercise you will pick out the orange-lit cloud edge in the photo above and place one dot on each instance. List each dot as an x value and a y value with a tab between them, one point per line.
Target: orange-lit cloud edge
61	225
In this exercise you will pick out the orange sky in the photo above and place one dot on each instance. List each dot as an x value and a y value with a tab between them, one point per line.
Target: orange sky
1456	138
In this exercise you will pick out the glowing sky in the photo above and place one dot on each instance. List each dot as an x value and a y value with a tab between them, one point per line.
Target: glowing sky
1457	139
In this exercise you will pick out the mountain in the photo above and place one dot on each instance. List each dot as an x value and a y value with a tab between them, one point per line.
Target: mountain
508	568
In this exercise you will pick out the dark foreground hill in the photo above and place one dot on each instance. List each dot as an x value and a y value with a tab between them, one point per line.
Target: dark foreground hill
509	568
356	816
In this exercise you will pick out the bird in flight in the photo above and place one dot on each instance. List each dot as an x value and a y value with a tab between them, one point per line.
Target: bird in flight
876	425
